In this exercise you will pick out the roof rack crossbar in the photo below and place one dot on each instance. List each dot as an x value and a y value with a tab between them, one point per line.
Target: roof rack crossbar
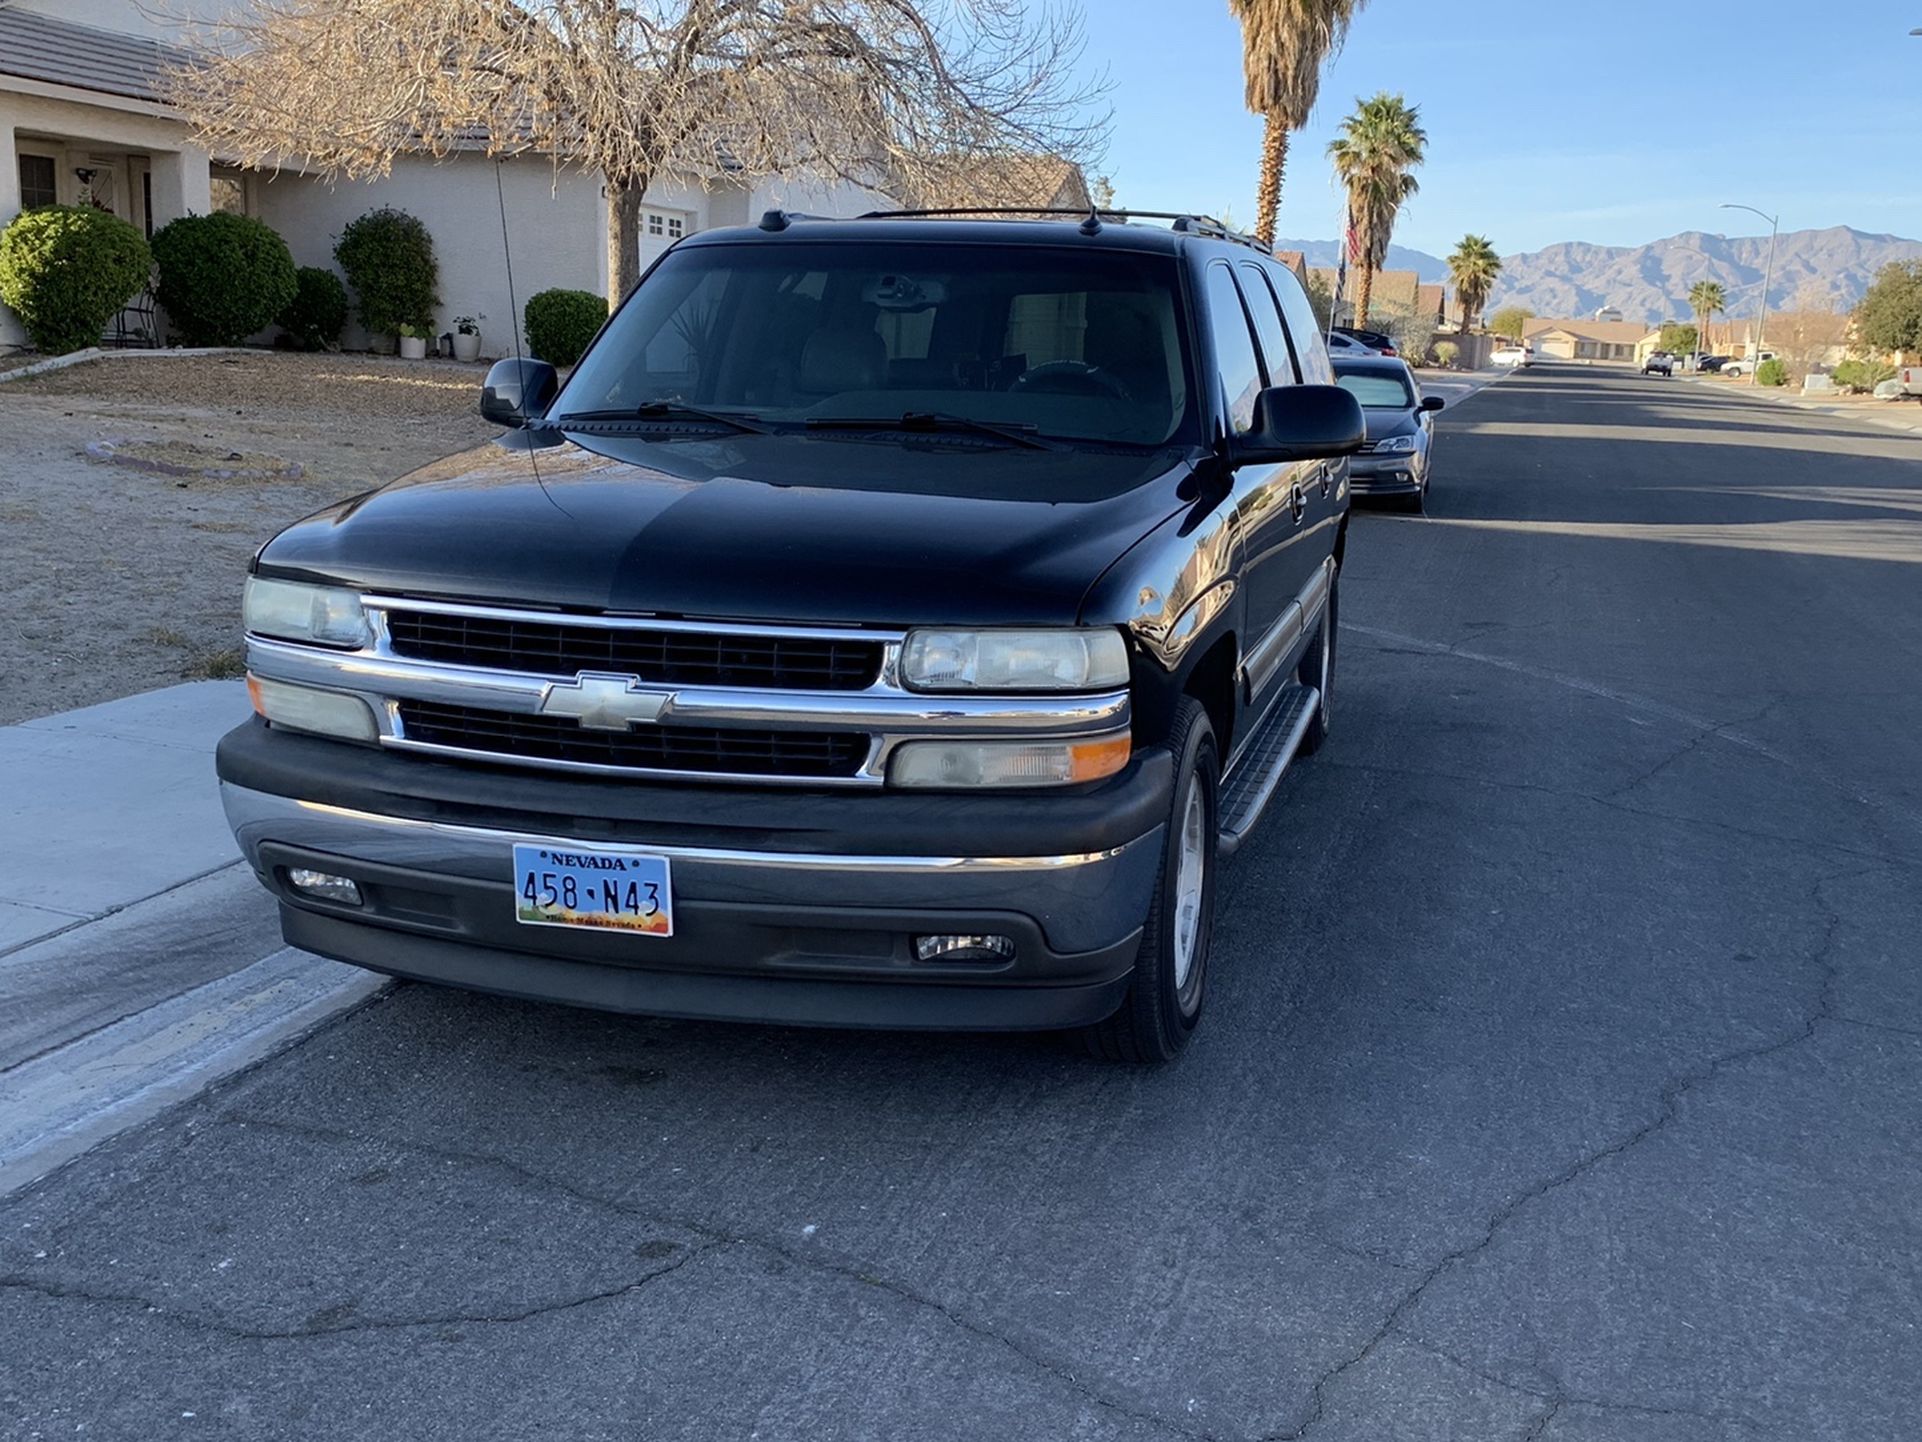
1186	222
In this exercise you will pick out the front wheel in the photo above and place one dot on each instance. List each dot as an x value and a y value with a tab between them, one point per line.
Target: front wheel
1163	1006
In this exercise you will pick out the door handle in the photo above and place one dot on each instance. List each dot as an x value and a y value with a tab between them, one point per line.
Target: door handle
1327	474
1297	501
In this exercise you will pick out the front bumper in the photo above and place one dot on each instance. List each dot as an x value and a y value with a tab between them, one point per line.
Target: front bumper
1389	474
789	907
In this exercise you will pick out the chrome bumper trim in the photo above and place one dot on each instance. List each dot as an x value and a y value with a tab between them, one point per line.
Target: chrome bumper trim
1082	901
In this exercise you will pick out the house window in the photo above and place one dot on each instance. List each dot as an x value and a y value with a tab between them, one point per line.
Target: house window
37	181
664	226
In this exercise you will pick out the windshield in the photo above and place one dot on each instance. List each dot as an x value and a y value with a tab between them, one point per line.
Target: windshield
1071	342
1378	391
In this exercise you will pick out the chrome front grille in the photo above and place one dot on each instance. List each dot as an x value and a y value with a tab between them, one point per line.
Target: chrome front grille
707	750
710	701
658	656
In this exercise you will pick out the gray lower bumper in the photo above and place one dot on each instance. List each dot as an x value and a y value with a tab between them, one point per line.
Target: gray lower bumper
762	935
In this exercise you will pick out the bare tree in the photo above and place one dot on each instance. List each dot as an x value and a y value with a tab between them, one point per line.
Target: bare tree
912	96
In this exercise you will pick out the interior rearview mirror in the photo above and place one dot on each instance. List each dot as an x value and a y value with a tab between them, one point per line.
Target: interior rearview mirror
518	390
1301	423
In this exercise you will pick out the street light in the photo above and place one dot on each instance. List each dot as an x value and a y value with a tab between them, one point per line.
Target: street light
1768	277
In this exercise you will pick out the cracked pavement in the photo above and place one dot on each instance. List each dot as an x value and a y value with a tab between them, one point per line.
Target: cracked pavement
1562	1078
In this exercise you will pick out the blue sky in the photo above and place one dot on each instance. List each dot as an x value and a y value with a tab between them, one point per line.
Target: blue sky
1616	123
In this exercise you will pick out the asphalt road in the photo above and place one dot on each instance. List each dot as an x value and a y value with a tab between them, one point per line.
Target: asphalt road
1563	1077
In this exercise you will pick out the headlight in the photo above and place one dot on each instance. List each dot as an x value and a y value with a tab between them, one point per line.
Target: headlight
1078	660
1396	444
327	615
964	765
308	708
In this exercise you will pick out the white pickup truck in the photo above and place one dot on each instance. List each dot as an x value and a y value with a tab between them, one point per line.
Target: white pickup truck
1743	365
1910	379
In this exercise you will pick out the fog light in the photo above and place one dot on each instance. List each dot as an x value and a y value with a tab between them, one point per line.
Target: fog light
323	886
964	948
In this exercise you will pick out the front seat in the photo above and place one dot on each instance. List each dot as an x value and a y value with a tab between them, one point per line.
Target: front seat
834	361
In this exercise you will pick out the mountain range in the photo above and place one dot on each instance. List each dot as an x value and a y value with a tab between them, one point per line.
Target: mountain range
1831	267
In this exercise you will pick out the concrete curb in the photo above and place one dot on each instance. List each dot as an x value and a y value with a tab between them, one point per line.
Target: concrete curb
69	1100
94	353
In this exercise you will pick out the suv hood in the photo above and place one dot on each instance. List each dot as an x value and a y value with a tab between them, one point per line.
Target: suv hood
789	528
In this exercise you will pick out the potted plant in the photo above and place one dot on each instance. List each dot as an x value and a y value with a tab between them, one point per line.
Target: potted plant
467	337
413	341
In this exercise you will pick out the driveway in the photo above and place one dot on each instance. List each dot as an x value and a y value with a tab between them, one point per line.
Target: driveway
1563	1076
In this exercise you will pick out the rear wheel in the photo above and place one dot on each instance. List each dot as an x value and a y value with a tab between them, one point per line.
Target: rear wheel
1163	1004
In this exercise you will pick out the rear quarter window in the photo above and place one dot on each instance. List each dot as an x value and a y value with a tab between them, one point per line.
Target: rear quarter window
1311	352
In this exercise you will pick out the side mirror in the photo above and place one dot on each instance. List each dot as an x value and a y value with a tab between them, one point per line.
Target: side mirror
1431	403
1301	423
518	390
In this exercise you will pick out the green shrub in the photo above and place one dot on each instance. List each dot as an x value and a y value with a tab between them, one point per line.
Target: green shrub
389	260
560	323
222	277
1447	352
1771	373
66	270
318	311
1861	375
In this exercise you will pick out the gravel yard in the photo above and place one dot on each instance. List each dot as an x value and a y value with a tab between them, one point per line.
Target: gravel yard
120	578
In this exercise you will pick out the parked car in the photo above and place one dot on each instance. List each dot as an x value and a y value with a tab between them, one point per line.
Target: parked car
1709	364
1909	378
1511	355
1659	363
889	623
1742	365
1340	345
1373	341
1395	460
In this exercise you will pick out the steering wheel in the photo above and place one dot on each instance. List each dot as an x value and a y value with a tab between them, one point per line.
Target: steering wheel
1071	378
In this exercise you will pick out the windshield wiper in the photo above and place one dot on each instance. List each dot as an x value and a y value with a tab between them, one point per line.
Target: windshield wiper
670	411
1019	434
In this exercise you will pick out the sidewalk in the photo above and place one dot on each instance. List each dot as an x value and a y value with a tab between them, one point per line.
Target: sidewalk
1903	415
110	805
139	957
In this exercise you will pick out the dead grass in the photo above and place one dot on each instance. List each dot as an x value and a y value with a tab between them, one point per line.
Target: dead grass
222	665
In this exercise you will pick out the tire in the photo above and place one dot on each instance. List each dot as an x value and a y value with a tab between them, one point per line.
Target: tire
1159	1014
1318	666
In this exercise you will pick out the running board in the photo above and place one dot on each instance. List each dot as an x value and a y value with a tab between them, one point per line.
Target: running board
1265	762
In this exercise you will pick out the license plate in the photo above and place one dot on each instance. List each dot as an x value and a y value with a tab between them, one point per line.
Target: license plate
609	890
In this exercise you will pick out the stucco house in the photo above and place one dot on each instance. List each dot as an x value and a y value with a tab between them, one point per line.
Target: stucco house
82	122
1397	294
1592	340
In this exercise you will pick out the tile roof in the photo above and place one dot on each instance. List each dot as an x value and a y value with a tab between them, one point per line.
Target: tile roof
39	47
1609	332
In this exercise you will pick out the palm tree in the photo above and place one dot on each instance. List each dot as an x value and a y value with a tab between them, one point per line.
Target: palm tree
1473	266
1377	148
1283	46
1706	297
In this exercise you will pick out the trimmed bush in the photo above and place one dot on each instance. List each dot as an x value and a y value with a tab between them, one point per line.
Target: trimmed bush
1862	375
318	311
1771	373
222	277
560	323
1447	352
67	269
389	260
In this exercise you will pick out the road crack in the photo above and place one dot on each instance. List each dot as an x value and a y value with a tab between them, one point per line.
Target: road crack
1667	1112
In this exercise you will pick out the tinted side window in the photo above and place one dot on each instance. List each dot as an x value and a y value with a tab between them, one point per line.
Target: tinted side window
1279	364
1311	353
1234	349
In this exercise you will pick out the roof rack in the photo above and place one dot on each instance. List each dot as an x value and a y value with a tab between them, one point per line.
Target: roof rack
1092	219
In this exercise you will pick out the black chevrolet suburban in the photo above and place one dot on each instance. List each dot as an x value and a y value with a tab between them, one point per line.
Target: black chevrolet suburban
890	622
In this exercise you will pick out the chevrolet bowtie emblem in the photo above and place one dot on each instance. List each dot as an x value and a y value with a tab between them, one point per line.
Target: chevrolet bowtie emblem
605	703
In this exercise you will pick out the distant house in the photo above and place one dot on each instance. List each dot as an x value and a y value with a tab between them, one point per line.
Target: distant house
1045	182
1295	261
1397	294
83	122
1591	340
